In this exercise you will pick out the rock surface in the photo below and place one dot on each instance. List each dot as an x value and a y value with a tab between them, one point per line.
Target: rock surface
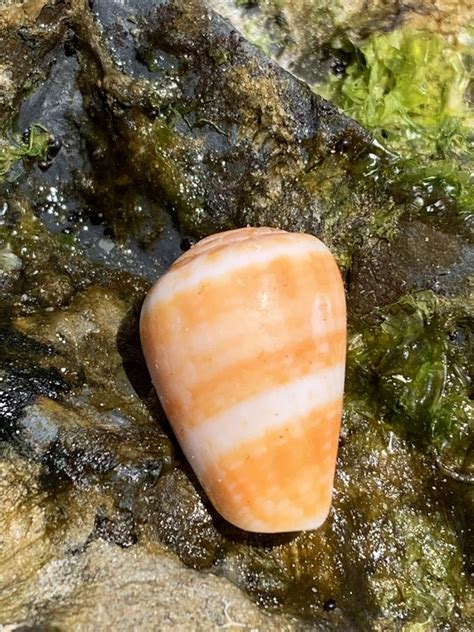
304	35
104	586
163	123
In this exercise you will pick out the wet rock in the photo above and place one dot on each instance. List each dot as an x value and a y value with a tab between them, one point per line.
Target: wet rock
22	379
50	268
396	527
90	447
10	267
174	514
89	322
24	540
418	258
230	142
102	430
37	431
119	528
29	32
54	576
47	289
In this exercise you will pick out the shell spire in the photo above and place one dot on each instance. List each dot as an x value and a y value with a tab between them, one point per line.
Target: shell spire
245	341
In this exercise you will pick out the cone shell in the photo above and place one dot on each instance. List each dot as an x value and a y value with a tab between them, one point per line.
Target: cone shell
245	341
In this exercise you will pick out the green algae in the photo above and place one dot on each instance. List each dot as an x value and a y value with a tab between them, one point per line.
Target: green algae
34	147
415	372
410	88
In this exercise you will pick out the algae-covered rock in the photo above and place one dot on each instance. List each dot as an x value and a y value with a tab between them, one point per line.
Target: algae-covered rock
100	430
419	257
168	123
173	513
224	137
412	89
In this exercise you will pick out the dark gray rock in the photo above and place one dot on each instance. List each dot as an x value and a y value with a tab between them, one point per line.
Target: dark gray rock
418	258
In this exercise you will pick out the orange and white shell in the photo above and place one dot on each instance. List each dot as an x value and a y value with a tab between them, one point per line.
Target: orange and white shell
245	340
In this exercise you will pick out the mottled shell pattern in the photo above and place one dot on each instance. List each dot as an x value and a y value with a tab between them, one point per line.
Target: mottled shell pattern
245	340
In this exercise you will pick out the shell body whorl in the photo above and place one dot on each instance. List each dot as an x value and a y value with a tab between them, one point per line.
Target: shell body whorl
245	340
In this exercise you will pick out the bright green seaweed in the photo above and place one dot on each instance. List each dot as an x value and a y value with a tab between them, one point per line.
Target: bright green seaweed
35	146
410	88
